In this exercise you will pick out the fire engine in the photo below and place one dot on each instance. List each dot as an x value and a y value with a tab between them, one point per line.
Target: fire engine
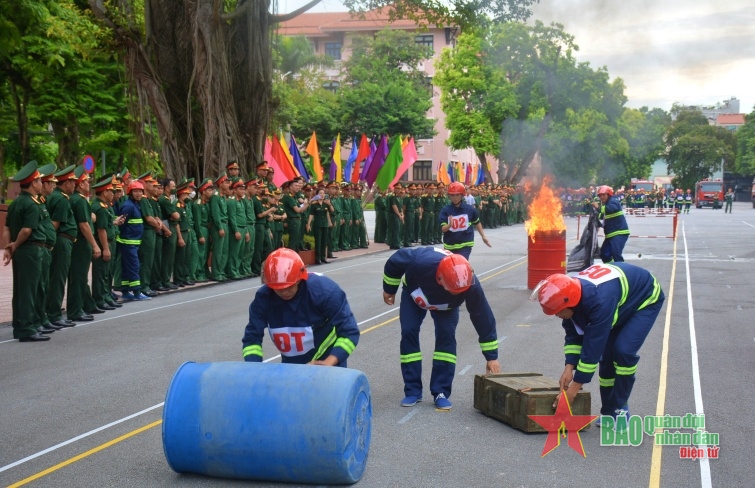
643	185
708	192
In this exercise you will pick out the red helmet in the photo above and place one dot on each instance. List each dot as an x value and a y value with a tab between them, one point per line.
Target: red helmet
456	188
283	268
455	274
557	292
605	189
134	185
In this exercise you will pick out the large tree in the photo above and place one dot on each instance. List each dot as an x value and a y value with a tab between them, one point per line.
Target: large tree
383	91
745	163
204	67
696	149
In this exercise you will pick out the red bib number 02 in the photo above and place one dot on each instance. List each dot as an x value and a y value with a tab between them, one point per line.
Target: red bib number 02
458	223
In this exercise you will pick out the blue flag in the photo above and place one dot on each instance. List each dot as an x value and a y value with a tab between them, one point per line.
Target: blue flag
350	162
293	148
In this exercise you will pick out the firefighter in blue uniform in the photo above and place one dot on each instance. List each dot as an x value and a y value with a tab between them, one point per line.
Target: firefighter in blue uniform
607	312
307	315
128	242
614	223
439	281
458	220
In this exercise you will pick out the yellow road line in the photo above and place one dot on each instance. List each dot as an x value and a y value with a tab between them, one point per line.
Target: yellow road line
655	460
85	454
155	424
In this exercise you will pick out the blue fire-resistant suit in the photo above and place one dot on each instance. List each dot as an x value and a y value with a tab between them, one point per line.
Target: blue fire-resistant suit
314	324
127	242
618	307
459	238
421	292
616	231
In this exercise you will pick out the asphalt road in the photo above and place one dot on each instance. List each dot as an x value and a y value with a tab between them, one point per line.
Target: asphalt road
84	409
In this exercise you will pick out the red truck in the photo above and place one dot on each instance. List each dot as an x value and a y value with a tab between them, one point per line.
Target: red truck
709	193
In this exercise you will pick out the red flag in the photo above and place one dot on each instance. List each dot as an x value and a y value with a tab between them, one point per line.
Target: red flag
364	151
283	165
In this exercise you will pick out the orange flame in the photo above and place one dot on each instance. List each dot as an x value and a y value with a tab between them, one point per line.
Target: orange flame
545	212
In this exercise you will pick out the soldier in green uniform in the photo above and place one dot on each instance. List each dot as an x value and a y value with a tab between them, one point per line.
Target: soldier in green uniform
192	246
262	239
319	222
411	204
202	228
47	173
104	225
337	218
278	224
218	218
344	239
395	204
237	229
170	218
251	220
294	211
59	209
79	302
28	250
380	217
427	203
182	257
360	228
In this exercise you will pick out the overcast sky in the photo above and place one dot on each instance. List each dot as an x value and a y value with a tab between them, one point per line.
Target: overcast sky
666	51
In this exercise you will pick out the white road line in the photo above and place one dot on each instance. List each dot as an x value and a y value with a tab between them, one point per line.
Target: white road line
753	226
466	368
82	436
705	479
408	416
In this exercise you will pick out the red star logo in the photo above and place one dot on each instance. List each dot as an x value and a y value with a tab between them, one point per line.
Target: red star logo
563	424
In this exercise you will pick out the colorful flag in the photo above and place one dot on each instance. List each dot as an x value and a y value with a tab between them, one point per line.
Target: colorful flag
364	152
410	157
337	158
392	163
296	156
480	175
268	154
282	140
468	176
314	152
350	161
368	160
377	160
284	170
442	175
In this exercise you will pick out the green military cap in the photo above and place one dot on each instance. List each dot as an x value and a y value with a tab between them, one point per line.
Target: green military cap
232	165
105	177
221	178
124	173
145	176
104	184
80	173
206	183
47	172
66	174
27	174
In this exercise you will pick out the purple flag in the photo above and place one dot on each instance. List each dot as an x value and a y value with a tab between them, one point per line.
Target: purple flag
368	160
377	160
296	156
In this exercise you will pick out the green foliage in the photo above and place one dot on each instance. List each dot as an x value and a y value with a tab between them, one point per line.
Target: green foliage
696	149
475	96
745	162
383	92
643	129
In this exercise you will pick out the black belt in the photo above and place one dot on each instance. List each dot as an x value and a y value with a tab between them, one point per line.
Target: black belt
294	218
69	237
40	244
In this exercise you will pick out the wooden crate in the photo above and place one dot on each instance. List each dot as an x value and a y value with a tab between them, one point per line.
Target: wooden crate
511	397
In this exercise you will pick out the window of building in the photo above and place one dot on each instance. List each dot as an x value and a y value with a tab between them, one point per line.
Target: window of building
333	49
331	86
429	86
422	170
424	40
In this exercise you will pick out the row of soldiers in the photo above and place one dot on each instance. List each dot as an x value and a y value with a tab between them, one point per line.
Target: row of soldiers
575	201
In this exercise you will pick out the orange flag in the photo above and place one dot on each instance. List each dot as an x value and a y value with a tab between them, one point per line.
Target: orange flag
313	151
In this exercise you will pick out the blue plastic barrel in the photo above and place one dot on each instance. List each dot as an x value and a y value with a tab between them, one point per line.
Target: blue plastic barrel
277	422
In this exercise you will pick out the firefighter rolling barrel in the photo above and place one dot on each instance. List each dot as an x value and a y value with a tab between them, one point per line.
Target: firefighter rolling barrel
276	422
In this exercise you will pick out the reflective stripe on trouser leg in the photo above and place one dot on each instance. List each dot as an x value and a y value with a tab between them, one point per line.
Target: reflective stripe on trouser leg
129	267
628	341
444	359
411	317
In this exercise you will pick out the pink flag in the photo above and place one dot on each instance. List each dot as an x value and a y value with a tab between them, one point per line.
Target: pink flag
410	157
